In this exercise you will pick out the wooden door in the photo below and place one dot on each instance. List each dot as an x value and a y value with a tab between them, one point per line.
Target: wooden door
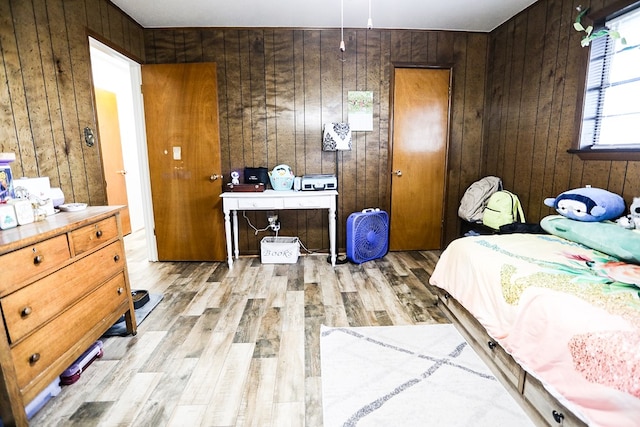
419	144
111	151
183	141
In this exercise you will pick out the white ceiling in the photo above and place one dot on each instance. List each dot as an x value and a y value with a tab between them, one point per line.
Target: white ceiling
463	15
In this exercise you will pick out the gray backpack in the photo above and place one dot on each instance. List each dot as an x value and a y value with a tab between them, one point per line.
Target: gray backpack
475	198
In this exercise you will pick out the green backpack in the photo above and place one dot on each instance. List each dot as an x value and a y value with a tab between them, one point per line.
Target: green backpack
503	207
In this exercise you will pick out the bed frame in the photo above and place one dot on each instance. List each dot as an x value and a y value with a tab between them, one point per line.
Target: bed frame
537	402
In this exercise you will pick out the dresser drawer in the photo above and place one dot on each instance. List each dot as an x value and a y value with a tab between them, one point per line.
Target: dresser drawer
91	236
33	305
23	264
32	356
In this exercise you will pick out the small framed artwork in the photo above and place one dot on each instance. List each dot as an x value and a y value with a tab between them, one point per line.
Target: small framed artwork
7	217
360	110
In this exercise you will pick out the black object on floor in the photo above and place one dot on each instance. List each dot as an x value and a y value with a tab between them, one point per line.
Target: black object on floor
120	327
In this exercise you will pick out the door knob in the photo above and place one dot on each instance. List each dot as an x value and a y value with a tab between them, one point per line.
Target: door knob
122	172
397	173
214	177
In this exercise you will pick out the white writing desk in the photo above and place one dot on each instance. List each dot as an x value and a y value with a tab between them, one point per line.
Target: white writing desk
272	200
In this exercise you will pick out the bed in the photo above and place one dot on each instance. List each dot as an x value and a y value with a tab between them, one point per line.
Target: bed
559	322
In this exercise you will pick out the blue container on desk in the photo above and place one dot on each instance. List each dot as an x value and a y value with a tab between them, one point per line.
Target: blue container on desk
281	178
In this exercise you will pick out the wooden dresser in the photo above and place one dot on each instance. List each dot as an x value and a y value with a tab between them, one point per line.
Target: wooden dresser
64	282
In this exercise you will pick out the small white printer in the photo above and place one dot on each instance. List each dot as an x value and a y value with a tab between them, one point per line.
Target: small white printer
319	182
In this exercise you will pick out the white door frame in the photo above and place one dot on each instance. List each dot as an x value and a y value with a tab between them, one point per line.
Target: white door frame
135	85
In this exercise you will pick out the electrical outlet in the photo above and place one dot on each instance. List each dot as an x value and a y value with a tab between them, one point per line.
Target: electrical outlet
272	217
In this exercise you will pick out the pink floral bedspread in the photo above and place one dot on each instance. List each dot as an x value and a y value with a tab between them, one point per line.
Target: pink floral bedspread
568	314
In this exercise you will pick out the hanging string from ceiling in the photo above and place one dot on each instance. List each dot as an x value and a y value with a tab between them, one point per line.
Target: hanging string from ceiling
369	24
342	47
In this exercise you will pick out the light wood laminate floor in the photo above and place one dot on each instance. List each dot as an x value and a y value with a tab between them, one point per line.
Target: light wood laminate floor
238	347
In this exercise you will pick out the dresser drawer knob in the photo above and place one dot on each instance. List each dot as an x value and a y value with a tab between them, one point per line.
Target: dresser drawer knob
99	234
38	259
26	311
116	258
34	358
120	291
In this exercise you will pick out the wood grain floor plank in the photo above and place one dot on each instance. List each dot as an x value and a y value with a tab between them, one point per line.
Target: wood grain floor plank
196	340
187	415
313	402
277	291
394	307
224	405
132	397
371	298
157	410
288	414
313	305
312	346
200	386
268	339
247	329
110	389
89	414
345	279
256	409
201	300
164	352
289	387
293	316
335	316
262	286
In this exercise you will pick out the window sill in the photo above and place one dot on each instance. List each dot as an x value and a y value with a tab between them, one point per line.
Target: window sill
617	154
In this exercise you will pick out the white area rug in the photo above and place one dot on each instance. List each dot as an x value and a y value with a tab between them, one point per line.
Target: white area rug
422	375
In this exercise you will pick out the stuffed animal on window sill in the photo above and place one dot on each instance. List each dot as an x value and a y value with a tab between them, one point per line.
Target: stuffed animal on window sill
631	221
588	204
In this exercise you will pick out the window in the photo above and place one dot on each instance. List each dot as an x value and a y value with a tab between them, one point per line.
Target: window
611	110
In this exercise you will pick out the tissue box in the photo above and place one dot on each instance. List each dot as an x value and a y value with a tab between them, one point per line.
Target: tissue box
7	217
39	187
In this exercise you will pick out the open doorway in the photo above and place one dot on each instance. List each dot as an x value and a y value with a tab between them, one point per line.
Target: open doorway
121	76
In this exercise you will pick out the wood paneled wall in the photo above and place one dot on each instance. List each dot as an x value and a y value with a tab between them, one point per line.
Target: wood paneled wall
535	65
278	86
45	88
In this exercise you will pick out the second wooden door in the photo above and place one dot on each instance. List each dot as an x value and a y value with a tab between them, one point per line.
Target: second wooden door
419	148
111	151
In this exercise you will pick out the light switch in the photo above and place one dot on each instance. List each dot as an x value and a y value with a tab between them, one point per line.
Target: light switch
177	153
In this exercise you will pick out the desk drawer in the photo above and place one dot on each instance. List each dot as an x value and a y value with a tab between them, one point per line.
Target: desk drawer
305	203
40	350
91	236
31	306
250	204
25	263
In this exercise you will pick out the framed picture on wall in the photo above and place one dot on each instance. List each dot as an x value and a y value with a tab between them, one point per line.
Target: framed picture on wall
360	110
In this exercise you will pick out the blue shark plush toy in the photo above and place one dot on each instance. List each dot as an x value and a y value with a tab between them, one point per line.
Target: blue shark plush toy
588	204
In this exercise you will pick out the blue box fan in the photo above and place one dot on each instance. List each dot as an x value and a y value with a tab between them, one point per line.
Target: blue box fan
367	235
